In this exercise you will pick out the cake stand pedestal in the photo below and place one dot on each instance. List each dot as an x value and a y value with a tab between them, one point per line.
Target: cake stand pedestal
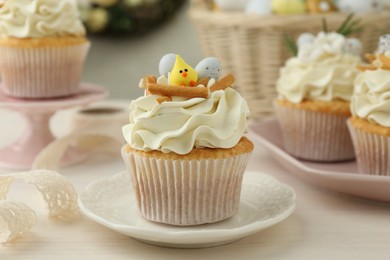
37	135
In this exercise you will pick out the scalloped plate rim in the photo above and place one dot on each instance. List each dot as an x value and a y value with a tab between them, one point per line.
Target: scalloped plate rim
212	236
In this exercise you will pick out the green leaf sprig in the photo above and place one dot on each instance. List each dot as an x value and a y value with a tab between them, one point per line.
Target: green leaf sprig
350	26
291	45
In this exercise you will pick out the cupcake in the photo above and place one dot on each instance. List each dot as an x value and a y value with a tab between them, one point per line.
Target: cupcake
315	89
370	106
186	151
42	48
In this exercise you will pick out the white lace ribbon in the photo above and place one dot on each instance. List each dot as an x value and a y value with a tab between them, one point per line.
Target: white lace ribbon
93	129
57	192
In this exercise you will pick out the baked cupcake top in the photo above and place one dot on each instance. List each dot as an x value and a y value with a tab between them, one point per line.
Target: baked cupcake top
174	118
324	69
371	98
40	18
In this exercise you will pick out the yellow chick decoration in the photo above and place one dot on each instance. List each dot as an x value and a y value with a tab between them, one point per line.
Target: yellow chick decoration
183	74
289	6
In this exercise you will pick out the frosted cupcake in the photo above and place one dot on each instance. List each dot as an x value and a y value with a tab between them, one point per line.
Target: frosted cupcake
370	106
42	48
186	150
315	89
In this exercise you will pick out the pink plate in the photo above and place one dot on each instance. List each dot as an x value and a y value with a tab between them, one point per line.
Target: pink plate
340	177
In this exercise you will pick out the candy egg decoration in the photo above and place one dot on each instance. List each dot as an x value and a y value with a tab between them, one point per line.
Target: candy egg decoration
305	38
209	68
353	46
259	7
321	6
166	64
231	5
289	6
384	44
183	74
360	6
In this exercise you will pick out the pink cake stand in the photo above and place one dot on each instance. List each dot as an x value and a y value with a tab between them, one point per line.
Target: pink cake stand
37	135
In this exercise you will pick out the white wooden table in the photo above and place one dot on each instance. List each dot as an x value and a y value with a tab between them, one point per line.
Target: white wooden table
325	225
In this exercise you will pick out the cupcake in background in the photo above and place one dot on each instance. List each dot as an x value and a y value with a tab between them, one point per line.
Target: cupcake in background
186	151
42	48
315	89
370	106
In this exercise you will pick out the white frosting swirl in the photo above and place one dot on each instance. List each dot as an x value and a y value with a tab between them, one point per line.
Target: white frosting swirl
40	18
323	80
321	47
181	125
324	69
371	98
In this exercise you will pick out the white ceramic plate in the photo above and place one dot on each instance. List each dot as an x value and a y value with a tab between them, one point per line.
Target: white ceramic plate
340	177
264	202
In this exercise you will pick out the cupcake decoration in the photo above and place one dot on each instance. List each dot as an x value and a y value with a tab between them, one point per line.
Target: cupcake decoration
166	64
183	74
384	44
209	68
184	81
186	150
380	60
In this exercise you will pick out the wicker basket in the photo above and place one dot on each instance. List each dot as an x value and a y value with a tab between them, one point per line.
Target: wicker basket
252	48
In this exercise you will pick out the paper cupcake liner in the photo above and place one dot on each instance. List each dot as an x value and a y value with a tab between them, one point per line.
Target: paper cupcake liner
372	152
42	72
183	192
315	136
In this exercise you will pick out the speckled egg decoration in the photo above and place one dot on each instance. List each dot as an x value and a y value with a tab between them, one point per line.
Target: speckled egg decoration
209	68
166	63
305	38
259	7
360	6
353	46
384	43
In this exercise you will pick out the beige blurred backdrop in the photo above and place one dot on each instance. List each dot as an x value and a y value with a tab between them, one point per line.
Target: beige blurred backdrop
119	64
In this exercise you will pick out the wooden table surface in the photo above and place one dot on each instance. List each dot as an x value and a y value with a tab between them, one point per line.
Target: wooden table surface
325	224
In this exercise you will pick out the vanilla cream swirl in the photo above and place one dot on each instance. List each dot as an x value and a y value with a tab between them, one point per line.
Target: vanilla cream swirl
371	98
325	79
324	69
181	125
40	18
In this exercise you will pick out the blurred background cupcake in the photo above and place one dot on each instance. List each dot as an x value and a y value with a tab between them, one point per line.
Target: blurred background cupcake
42	48
370	106
315	88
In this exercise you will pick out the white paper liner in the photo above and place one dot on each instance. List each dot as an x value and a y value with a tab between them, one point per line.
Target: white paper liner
45	72
58	193
315	136
372	152
184	193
